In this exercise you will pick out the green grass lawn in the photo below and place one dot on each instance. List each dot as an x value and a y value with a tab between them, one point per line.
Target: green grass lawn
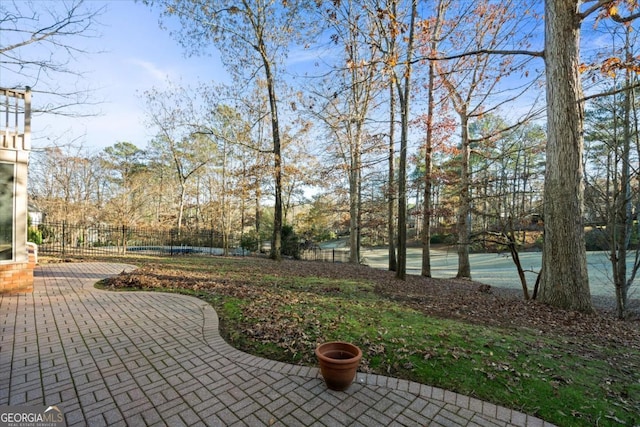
282	311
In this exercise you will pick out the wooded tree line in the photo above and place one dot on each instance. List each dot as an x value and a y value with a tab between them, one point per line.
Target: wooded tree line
170	186
456	116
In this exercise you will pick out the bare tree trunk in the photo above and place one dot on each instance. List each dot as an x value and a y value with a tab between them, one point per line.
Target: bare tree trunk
354	202
464	266
393	264
183	191
635	129
624	214
159	196
401	270
258	211
564	282
405	94
359	228
276	241
427	205
224	213
515	255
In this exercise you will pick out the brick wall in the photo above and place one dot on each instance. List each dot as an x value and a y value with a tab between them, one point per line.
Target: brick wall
18	277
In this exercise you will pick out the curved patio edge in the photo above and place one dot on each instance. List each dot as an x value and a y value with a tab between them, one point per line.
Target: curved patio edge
211	333
366	379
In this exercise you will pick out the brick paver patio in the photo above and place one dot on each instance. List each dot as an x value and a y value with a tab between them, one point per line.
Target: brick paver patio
139	358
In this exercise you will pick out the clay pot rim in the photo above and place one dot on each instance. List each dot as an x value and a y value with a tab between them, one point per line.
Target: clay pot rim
324	358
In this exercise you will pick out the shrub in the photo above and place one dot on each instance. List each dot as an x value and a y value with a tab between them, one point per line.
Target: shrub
34	235
290	242
46	232
323	236
250	241
596	240
437	238
539	242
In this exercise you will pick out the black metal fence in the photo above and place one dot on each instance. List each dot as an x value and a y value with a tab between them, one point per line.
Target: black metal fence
325	255
63	239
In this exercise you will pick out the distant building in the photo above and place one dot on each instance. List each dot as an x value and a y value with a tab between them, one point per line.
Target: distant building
36	216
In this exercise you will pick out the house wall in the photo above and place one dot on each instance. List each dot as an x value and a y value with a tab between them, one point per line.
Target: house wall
16	274
17	277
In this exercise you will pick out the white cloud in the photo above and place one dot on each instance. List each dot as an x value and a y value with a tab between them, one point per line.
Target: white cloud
151	69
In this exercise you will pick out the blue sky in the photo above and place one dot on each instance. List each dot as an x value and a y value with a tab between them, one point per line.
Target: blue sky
135	54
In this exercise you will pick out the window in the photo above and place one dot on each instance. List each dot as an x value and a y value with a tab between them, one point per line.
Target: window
6	211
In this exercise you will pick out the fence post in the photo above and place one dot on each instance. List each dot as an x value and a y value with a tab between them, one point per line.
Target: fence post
124	242
64	236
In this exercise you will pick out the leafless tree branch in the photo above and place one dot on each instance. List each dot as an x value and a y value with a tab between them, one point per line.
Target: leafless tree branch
39	44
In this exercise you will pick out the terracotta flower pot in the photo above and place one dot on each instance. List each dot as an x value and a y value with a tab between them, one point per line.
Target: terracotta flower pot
338	363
